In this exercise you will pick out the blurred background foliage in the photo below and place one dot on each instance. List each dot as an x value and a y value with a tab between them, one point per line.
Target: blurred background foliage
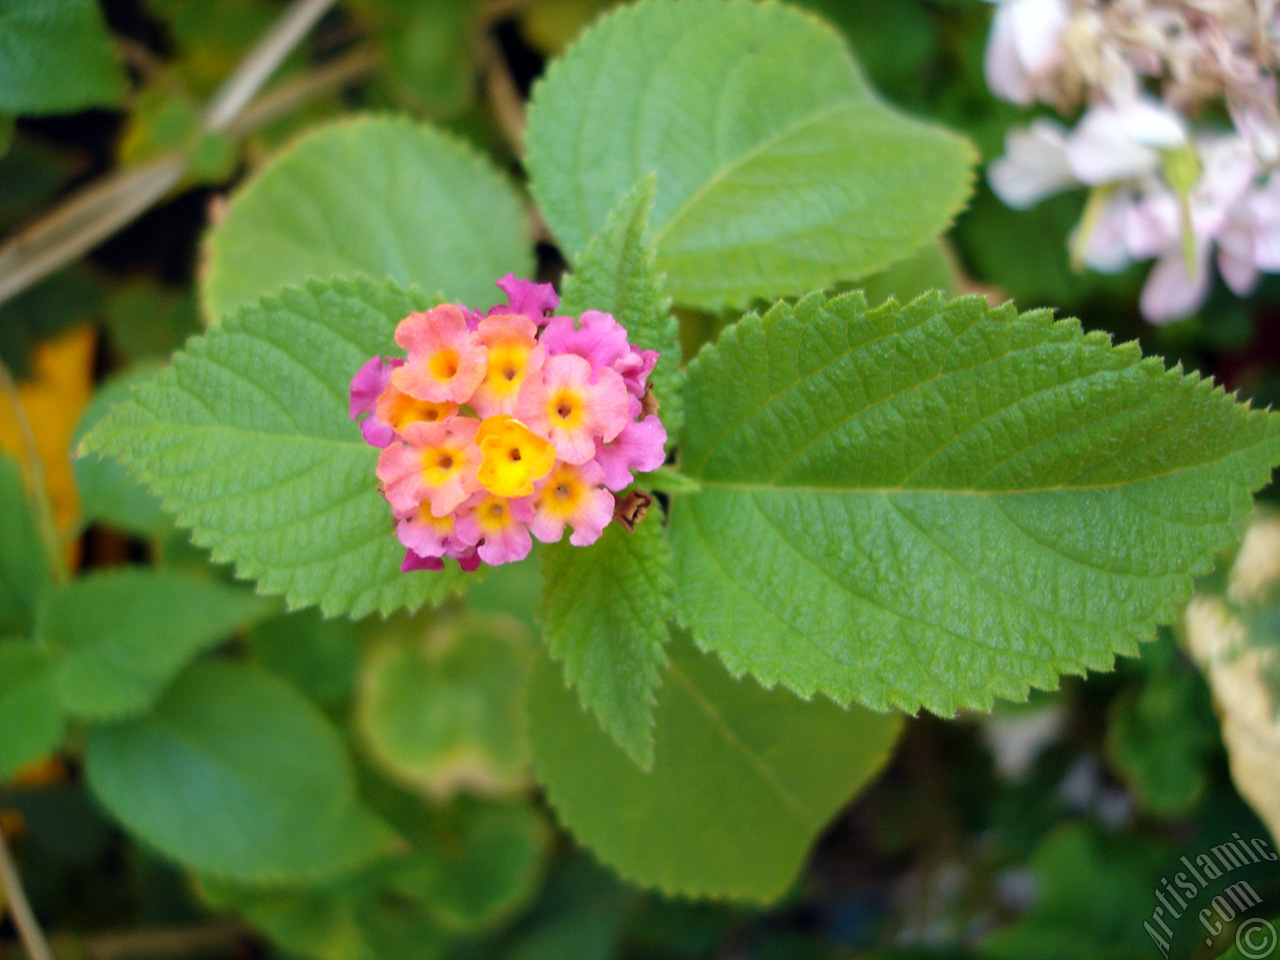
1042	830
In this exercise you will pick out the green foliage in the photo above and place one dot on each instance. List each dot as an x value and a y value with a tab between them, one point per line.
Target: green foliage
235	774
56	57
441	704
30	722
376	196
473	864
940	503
616	274
117	639
1092	893
245	438
1161	733
604	614
778	170
431	46
743	778
317	656
107	493
24	571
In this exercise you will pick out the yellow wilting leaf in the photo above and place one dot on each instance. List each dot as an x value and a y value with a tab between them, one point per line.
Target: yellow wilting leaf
54	398
1234	638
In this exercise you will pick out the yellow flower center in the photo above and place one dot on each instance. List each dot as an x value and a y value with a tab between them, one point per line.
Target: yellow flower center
399	410
563	495
444	364
565	409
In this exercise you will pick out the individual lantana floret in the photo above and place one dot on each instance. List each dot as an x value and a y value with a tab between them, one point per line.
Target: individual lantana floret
507	425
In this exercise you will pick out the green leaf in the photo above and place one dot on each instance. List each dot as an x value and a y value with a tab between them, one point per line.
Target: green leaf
1161	733
778	169
428	210
237	775
604	614
616	274
441	705
107	493
431	53
473	865
246	439
24	569
118	638
56	57
317	656
30	722
742	781
937	504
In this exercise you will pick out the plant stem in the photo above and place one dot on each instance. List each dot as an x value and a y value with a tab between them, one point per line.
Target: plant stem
263	60
38	481
20	908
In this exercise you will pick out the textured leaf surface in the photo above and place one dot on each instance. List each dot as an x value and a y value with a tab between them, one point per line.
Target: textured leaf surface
118	638
778	170
236	774
742	781
616	274
376	196
604	614
24	570
441	706
56	57
30	721
245	438
935	504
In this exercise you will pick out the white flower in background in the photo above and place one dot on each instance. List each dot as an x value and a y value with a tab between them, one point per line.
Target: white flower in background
1024	51
1159	189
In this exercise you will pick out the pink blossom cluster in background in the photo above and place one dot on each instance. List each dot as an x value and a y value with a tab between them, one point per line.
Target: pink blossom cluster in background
505	426
1161	187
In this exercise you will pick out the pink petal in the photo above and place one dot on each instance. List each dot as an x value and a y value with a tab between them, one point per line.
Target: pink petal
598	338
1169	294
1034	165
639	447
534	300
635	369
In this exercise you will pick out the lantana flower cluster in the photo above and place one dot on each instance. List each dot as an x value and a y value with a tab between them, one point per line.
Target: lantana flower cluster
1161	187
500	427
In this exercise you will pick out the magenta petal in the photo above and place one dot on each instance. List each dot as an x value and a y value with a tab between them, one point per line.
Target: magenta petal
414	562
534	300
376	433
368	383
635	369
638	448
597	338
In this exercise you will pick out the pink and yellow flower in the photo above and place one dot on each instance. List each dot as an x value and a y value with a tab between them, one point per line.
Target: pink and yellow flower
446	360
572	495
504	426
571	408
499	526
514	355
436	462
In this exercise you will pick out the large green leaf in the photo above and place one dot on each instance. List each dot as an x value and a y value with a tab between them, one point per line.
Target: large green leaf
56	57
237	775
245	438
441	704
24	568
743	778
118	638
30	720
935	504
377	196
616	275
778	170
604	613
